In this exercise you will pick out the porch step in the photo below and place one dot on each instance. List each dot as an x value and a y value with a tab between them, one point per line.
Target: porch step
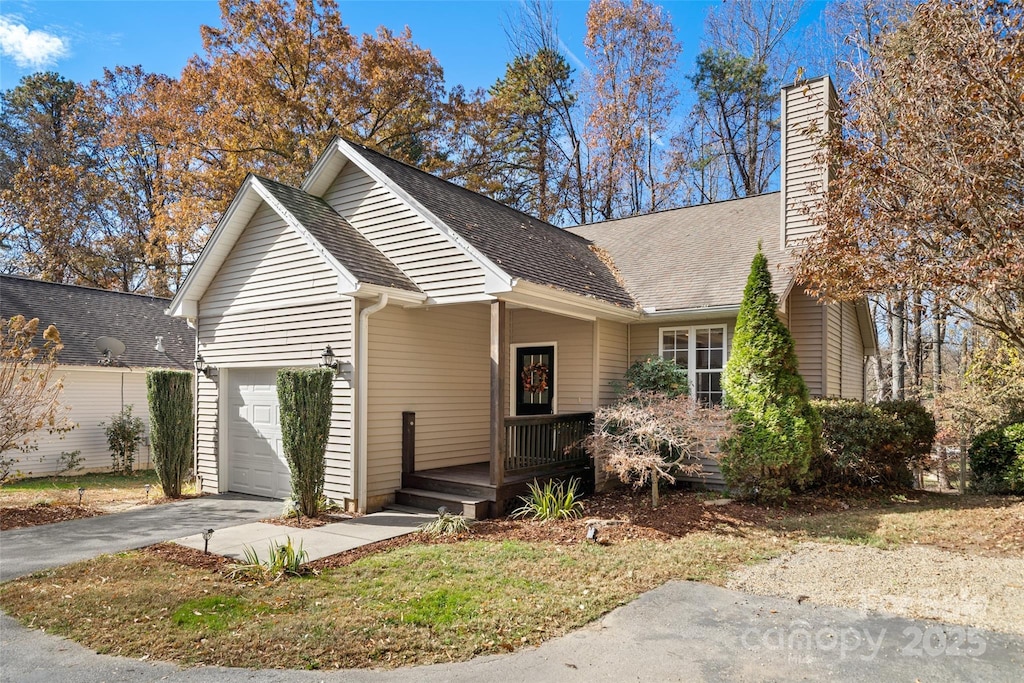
471	508
424	481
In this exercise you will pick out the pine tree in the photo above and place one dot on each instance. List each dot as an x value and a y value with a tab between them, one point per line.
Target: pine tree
777	428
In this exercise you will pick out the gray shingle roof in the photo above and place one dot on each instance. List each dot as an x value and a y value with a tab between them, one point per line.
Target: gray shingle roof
337	235
697	256
83	314
522	246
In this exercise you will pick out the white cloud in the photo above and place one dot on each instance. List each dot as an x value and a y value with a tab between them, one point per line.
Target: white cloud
29	48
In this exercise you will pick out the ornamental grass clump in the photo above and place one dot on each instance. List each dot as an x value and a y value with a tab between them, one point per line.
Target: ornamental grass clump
777	429
170	426
553	500
305	400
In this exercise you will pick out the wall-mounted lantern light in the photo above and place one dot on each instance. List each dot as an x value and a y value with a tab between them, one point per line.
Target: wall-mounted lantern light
202	366
327	360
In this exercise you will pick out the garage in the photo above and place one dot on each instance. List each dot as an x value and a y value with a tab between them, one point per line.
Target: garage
256	462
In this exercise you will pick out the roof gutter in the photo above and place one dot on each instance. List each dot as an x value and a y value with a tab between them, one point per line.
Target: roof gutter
362	394
691	313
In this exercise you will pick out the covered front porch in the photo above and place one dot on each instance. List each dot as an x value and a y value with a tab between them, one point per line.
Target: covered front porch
547	373
537	448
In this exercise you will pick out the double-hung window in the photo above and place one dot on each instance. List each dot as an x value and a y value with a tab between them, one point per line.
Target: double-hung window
702	351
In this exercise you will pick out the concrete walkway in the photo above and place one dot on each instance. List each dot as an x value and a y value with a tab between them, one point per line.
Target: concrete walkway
23	551
680	632
318	542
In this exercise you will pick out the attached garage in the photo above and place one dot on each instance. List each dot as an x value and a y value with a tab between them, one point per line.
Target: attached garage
256	461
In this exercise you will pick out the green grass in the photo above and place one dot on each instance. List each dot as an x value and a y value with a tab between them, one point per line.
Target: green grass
414	605
88	481
214	614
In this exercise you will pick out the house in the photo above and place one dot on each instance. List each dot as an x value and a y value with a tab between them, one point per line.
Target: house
472	342
96	384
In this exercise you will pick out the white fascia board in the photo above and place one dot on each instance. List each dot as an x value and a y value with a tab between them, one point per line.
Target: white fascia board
347	282
868	331
185	303
324	164
496	280
558	301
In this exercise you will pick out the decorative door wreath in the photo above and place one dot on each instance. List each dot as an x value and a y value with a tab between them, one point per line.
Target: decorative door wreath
535	378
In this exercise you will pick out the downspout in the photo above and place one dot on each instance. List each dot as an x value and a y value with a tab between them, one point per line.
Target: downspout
362	397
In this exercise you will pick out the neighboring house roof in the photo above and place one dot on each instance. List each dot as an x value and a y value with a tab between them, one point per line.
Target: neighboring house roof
82	315
695	257
337	235
522	246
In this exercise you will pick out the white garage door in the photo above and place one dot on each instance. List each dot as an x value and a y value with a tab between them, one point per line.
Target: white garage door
256	461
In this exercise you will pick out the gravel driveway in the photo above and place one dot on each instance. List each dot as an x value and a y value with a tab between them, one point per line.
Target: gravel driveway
916	581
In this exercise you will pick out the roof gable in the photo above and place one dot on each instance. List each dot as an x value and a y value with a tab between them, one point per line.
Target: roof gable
82	315
696	257
354	259
509	244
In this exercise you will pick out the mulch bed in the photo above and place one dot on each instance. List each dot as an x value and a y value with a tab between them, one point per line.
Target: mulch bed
308	522
680	513
43	513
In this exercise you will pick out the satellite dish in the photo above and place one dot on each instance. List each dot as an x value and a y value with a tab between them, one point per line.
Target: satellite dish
110	348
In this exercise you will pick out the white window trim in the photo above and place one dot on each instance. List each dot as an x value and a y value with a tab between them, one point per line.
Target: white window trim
691	349
512	379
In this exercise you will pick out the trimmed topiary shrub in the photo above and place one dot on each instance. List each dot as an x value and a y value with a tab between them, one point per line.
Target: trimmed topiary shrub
864	445
170	426
658	375
778	430
997	460
305	400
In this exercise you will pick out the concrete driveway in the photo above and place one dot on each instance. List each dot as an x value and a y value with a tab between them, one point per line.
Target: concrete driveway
680	632
23	551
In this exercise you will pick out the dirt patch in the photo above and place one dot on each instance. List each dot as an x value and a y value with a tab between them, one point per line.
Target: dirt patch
42	513
307	522
913	581
172	552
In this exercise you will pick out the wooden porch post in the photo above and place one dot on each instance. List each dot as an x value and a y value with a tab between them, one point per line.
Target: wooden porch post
499	375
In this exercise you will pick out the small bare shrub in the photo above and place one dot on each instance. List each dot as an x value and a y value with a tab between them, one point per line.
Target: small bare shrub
647	437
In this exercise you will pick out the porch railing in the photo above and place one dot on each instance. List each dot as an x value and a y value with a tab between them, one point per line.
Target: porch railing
539	442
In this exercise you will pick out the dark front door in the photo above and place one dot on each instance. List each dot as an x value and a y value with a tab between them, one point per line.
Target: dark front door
535	380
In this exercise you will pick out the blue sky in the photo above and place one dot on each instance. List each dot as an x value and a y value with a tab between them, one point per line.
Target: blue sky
79	38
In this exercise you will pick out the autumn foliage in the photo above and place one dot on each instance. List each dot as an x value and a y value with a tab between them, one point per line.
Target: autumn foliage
927	193
29	392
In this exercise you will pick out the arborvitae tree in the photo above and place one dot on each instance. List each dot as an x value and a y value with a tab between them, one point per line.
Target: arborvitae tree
305	397
171	426
777	428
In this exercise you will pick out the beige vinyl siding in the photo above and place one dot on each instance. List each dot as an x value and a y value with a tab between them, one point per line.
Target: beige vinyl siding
853	354
207	433
574	355
806	323
834	346
93	396
802	176
274	303
428	258
434	362
612	358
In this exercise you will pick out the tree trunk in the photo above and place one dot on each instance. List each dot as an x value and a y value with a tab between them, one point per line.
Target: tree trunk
916	351
896	339
654	487
938	339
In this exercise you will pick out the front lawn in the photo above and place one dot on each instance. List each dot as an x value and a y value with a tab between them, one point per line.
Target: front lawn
417	604
502	585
